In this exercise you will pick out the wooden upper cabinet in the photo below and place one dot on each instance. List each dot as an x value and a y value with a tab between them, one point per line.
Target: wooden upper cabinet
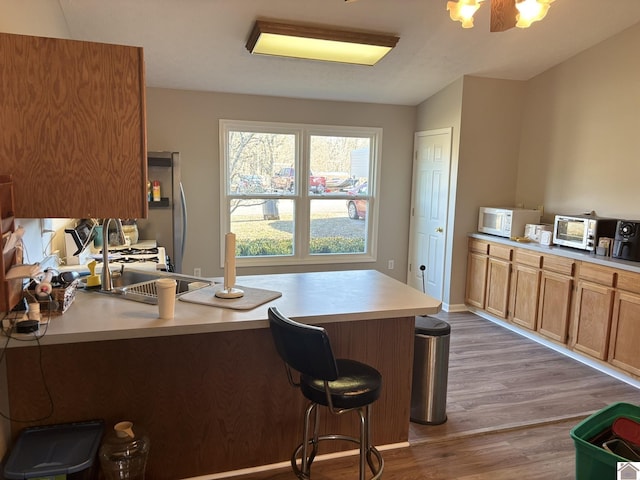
73	127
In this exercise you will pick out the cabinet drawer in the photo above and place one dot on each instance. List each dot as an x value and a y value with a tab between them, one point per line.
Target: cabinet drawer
525	257
479	246
500	251
561	265
597	274
628	281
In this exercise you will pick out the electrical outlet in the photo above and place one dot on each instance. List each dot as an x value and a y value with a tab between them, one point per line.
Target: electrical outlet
541	209
391	265
197	272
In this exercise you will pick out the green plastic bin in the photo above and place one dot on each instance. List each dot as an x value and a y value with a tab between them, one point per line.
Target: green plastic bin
593	462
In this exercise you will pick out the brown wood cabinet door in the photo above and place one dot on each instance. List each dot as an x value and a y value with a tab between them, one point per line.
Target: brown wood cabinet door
524	296
73	127
476	279
554	305
624	348
592	319
498	279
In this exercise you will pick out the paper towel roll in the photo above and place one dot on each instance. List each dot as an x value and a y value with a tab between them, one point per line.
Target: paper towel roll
229	260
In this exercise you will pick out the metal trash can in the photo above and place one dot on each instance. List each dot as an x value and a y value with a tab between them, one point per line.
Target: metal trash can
430	371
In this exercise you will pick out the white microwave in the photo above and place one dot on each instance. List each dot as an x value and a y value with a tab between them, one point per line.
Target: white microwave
506	222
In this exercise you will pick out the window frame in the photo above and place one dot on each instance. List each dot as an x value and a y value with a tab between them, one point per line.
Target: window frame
300	197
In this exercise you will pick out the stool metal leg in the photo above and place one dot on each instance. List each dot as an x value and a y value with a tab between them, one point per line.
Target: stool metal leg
366	450
304	471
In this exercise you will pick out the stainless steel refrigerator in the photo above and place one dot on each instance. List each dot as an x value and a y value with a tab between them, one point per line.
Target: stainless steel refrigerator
167	220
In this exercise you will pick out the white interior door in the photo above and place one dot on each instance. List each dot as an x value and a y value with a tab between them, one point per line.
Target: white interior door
429	202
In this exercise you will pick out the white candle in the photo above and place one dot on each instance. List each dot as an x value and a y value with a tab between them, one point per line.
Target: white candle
230	261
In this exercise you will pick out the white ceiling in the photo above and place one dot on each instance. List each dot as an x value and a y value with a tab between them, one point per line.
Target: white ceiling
200	44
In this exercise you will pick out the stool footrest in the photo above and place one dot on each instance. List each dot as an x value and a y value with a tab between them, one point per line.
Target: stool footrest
376	470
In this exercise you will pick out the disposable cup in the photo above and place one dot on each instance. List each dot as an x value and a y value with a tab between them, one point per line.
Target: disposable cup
166	288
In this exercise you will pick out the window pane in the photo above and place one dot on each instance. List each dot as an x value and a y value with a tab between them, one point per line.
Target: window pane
263	227
260	162
342	161
332	231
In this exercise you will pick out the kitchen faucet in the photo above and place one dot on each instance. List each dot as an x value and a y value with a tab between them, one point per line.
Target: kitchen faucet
107	284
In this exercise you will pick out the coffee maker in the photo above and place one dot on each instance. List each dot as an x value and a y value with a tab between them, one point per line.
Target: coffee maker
626	244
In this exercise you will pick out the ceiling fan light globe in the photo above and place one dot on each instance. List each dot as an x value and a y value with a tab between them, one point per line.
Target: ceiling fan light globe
463	10
530	11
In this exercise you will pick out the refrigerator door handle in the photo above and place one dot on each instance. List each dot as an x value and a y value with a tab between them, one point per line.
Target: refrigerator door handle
183	204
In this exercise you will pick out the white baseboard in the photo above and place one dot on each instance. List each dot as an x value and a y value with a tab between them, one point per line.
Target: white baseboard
455	308
275	466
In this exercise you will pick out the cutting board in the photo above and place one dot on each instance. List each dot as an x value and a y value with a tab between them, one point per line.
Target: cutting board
253	297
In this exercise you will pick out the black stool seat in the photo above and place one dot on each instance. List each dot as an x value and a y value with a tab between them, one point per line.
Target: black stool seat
341	385
358	384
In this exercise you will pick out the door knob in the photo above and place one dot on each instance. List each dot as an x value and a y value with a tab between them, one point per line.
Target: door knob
439	230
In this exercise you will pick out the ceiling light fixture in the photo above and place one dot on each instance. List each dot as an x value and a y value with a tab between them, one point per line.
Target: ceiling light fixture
530	11
319	43
505	14
463	10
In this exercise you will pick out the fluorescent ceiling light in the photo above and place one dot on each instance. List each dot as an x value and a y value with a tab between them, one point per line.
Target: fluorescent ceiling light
319	43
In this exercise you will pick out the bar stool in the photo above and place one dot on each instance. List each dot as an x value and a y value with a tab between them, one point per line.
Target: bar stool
341	385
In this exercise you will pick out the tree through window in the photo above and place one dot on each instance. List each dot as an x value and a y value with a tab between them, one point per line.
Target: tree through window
299	193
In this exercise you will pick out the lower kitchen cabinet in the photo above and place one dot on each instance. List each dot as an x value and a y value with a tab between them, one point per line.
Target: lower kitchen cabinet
477	263
524	296
625	325
525	289
593	310
589	307
554	305
556	293
498	280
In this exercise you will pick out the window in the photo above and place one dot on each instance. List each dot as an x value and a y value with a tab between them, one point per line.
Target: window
299	193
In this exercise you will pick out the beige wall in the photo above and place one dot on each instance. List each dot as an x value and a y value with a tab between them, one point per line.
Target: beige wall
565	139
43	18
188	122
579	144
444	110
485	115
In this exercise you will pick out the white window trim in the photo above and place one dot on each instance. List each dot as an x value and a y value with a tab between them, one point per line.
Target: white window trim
301	255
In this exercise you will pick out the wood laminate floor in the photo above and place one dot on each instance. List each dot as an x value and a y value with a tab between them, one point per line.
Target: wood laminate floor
511	404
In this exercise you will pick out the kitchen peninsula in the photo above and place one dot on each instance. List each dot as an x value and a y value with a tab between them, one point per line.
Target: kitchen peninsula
208	386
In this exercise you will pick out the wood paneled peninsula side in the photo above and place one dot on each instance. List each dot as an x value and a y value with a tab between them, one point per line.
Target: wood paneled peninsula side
581	304
208	386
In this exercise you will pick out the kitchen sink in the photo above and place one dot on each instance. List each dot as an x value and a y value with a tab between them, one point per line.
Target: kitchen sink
140	285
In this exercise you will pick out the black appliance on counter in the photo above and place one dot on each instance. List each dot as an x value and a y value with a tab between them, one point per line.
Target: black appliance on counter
626	244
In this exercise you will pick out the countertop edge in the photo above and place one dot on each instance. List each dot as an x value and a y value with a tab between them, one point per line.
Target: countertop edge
566	252
353	295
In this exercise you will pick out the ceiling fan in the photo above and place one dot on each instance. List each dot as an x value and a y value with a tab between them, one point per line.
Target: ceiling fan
505	14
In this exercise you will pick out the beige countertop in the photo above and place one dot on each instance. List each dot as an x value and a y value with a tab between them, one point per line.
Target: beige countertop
318	297
567	252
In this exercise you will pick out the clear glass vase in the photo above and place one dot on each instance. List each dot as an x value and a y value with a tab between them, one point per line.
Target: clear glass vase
123	453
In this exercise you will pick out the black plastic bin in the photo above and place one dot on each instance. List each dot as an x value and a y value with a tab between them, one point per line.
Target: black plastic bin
45	452
430	371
